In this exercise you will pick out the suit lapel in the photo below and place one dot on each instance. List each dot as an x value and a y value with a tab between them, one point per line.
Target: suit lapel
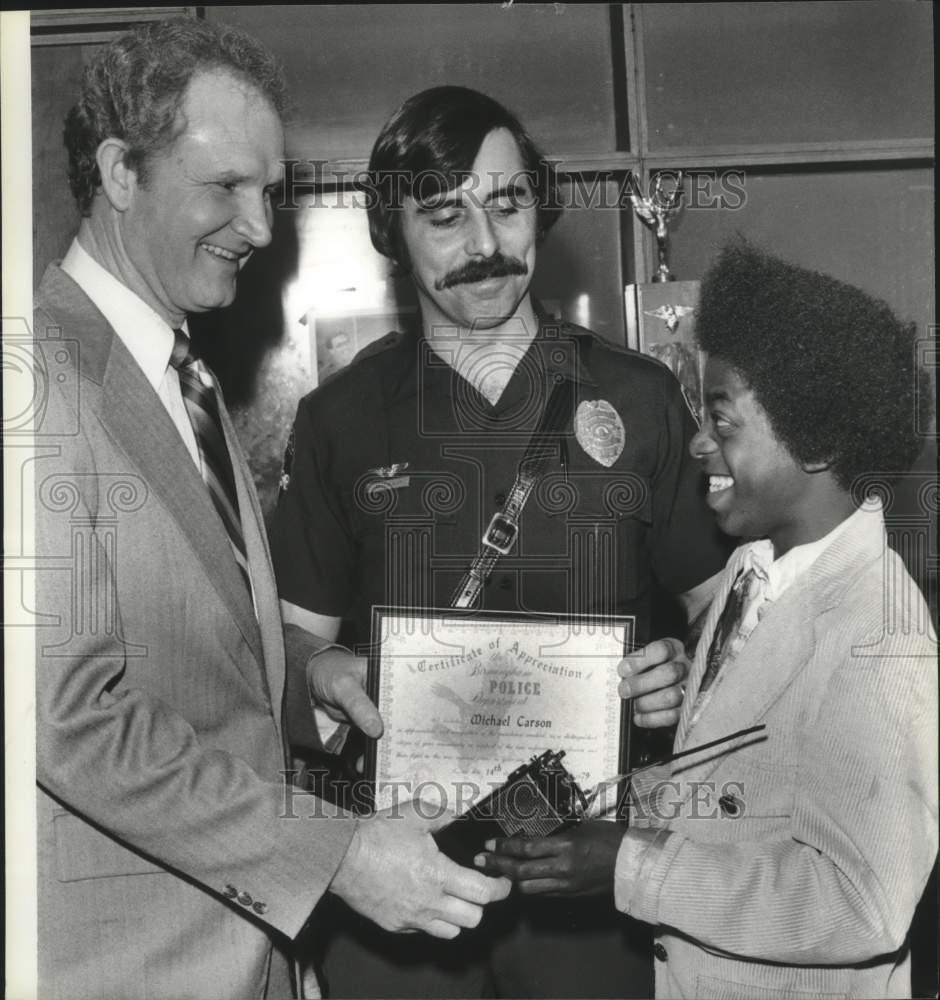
773	656
136	420
140	425
262	570
781	646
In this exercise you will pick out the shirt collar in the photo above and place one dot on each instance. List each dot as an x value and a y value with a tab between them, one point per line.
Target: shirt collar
779	574
146	335
560	345
563	347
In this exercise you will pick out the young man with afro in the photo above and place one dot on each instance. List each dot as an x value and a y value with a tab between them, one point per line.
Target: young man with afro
787	863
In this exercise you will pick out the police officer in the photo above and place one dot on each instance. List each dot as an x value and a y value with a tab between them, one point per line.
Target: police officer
398	464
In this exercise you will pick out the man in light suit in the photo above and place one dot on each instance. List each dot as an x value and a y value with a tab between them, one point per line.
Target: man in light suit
790	864
174	860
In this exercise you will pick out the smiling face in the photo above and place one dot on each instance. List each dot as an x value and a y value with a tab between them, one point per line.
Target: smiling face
204	203
755	486
472	249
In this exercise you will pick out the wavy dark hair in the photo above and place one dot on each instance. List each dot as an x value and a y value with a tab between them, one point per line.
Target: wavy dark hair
134	88
834	369
428	147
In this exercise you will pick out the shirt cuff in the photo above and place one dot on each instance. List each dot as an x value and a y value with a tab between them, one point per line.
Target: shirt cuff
303	647
642	862
332	733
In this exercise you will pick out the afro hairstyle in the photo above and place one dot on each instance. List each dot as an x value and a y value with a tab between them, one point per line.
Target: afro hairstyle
834	369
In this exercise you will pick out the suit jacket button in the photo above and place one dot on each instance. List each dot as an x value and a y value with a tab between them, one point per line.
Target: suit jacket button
260	907
660	952
731	806
229	891
244	899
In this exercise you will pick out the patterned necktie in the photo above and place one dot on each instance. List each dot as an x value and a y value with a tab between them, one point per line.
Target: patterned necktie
202	405
732	616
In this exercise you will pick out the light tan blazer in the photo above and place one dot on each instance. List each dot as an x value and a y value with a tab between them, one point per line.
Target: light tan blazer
795	862
171	858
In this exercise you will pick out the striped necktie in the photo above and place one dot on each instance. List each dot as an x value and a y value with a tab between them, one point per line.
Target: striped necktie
199	395
729	623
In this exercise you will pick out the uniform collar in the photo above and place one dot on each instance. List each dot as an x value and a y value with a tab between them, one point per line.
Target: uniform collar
558	349
564	347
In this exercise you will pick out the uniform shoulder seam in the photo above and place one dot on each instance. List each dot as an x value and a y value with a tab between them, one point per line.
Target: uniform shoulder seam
614	348
367	363
629	354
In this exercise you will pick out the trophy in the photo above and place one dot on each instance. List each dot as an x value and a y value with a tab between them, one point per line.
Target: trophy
660	314
655	213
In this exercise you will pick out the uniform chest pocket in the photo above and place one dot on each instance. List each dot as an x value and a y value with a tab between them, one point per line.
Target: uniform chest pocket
438	497
596	494
596	523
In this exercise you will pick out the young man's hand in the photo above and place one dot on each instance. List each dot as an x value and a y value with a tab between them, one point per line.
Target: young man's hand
579	861
654	678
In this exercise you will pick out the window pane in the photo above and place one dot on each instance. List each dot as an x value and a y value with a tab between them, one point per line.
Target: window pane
579	264
350	66
871	228
744	73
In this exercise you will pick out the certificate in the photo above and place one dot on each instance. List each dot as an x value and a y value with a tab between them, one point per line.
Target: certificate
467	697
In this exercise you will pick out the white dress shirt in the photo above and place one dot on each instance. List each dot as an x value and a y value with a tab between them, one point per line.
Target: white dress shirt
147	336
775	576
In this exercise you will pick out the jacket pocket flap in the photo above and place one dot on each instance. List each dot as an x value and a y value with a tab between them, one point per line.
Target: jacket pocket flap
83	852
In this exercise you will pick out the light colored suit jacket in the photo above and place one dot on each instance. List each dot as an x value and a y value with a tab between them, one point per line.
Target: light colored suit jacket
171	855
795	860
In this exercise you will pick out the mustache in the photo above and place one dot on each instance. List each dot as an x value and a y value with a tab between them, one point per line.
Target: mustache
496	266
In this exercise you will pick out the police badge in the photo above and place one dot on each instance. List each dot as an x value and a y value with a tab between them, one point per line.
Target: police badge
599	431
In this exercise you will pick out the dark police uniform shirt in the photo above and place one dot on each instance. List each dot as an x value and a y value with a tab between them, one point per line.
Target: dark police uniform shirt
396	465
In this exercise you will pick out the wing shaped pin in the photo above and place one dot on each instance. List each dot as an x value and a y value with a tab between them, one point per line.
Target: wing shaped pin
670	315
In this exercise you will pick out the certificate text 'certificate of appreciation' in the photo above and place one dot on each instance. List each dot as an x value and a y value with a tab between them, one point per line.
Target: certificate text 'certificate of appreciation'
468	697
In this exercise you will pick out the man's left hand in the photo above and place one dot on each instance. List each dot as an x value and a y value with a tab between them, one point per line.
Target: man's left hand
579	861
337	681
